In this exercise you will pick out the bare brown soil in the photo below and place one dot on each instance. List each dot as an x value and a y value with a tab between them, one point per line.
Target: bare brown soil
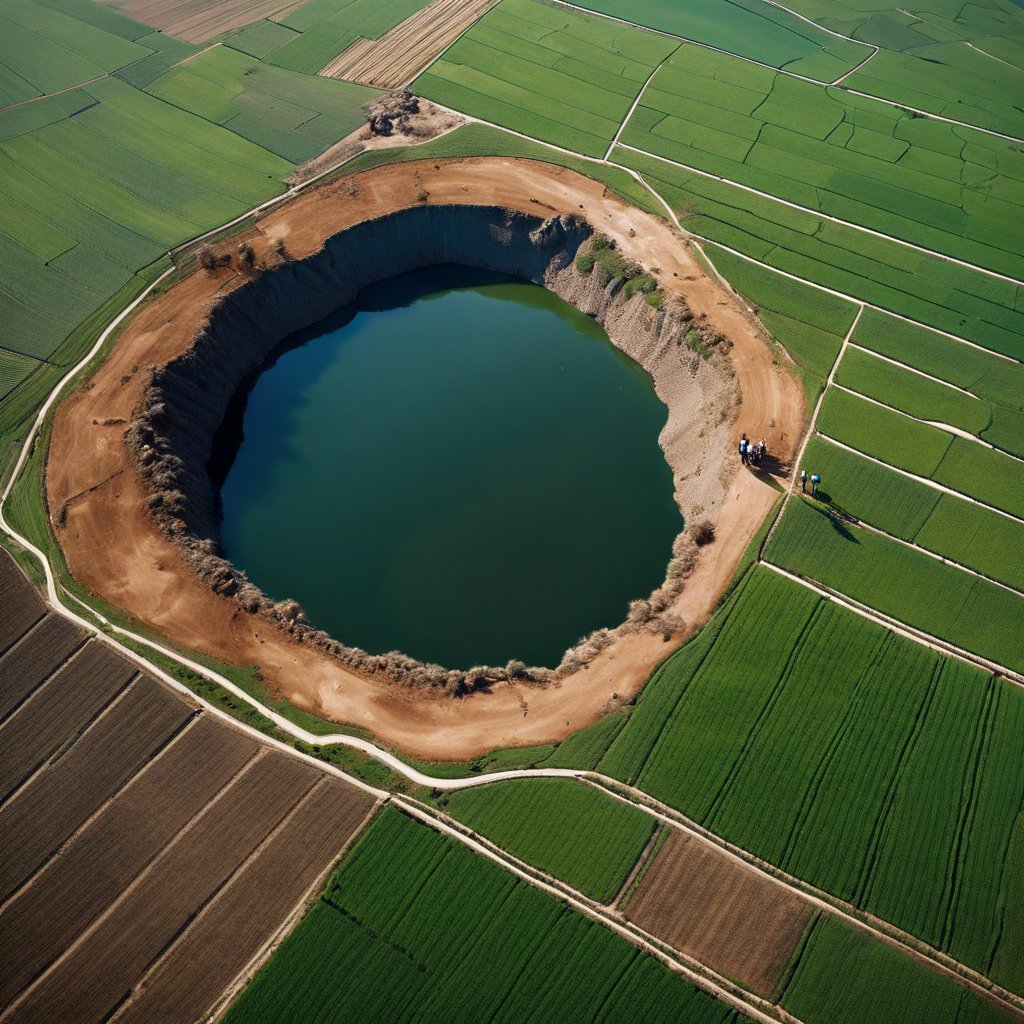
28	662
110	851
712	907
195	21
22	608
189	980
90	982
42	817
404	51
115	549
58	711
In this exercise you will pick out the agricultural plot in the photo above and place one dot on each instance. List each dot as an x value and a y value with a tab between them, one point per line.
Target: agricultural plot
885	986
855	159
111	768
907	585
735	921
808	323
917	396
404	51
43	49
970	534
88	200
295	116
565	828
987	475
998	382
750	29
833	800
548	72
327	27
877	271
456	938
197	21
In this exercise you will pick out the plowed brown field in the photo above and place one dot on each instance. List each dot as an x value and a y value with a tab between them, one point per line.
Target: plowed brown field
198	20
404	51
709	905
131	813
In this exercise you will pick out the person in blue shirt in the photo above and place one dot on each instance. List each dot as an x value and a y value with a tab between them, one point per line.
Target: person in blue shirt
815	480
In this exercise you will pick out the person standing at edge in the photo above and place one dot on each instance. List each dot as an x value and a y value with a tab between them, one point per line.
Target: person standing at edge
815	480
803	480
744	445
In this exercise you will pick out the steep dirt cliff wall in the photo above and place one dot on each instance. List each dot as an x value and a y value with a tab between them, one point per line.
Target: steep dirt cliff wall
172	433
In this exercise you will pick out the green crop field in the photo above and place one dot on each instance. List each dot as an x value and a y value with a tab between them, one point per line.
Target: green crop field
958	300
413	924
547	72
565	828
854	159
974	536
988	476
849	799
908	585
769	35
885	987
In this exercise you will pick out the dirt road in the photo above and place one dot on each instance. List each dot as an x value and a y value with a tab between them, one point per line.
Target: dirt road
113	547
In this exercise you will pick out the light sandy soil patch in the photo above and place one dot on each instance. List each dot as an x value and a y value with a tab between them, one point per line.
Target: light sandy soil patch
709	906
404	51
116	550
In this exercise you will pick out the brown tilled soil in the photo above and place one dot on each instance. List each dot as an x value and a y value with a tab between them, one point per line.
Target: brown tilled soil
58	711
404	51
114	548
198	20
25	665
712	907
112	847
42	817
188	981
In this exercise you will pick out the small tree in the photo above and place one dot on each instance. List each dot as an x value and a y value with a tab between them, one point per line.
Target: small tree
246	256
206	257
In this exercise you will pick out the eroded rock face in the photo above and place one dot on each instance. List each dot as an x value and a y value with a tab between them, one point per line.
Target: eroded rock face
172	432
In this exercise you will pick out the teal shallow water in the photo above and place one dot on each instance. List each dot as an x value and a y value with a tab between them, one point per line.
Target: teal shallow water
459	466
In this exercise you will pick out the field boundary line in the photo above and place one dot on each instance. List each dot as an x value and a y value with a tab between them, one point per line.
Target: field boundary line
904	629
965	435
809	433
65	748
842	78
849	298
305	902
33	877
636	102
720	987
91	928
914	369
793	74
920	479
56	668
826	216
205	909
864	921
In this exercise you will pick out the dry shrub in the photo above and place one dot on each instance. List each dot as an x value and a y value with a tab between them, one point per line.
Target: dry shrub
704	533
246	256
207	258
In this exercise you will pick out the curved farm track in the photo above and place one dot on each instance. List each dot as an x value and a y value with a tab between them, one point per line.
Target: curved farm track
113	547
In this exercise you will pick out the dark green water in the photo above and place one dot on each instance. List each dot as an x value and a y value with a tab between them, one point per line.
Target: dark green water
459	466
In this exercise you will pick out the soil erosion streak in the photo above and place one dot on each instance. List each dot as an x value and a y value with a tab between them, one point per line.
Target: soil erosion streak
100	502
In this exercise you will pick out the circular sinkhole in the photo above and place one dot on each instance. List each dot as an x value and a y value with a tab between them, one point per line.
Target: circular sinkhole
459	465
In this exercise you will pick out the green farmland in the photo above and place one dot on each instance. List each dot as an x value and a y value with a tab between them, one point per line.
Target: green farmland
566	829
855	174
414	924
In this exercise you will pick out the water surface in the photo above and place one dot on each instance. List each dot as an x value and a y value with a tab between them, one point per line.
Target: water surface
460	466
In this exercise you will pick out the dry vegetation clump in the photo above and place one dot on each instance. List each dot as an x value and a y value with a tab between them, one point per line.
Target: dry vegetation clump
704	533
395	112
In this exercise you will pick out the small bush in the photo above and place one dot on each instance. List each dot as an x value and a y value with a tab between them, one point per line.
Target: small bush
585	262
695	343
704	533
206	257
